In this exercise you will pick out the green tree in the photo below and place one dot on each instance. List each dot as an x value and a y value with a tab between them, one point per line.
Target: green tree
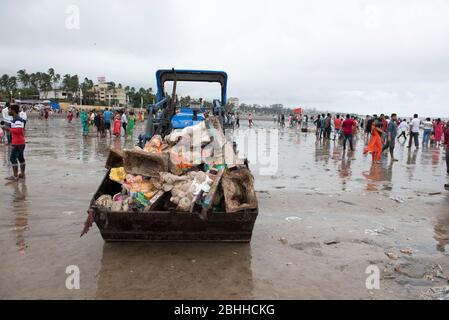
54	79
24	78
45	84
8	85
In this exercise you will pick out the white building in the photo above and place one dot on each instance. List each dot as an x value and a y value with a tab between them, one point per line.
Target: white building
234	101
53	94
105	94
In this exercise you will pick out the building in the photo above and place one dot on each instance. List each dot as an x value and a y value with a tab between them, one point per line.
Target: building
54	94
101	92
104	93
234	101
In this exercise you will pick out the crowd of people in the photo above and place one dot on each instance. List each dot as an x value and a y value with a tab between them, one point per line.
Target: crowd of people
107	121
381	133
293	120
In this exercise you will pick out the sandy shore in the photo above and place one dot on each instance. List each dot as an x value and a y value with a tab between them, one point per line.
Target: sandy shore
323	220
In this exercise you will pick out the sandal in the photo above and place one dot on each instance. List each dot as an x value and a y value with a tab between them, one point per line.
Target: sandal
12	178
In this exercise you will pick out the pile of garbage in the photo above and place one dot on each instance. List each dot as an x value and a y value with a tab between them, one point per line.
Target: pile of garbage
190	170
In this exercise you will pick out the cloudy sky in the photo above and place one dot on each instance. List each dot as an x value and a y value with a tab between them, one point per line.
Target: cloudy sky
352	55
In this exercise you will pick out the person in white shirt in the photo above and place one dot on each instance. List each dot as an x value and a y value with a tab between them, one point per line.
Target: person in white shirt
414	131
427	126
7	119
5	114
124	121
403	127
23	115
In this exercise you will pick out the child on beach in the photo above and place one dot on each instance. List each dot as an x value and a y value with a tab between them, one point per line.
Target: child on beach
17	143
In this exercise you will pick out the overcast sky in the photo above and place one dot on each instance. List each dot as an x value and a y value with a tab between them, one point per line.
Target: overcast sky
358	56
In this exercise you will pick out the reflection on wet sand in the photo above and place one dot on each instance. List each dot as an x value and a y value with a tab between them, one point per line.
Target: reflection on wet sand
19	211
345	167
379	173
411	156
175	271
441	230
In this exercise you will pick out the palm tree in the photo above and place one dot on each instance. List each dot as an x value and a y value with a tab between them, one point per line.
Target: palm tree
66	82
4	82
45	84
11	85
86	86
54	79
33	82
23	77
70	84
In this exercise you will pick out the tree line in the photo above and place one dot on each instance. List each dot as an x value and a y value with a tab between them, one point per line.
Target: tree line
24	85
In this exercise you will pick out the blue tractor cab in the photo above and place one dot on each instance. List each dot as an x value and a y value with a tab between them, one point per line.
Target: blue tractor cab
174	116
187	117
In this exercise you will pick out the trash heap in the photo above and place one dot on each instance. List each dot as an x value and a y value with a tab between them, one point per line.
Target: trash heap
190	170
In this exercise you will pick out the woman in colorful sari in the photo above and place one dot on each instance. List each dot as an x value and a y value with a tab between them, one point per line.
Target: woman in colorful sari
375	144
85	123
131	122
117	125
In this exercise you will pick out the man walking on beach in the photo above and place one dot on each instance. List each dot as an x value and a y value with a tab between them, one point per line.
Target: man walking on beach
7	119
327	126
337	126
124	121
414	131
107	117
403	127
348	126
318	126
250	120
392	131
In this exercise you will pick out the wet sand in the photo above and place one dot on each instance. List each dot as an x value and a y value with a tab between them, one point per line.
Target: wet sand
316	197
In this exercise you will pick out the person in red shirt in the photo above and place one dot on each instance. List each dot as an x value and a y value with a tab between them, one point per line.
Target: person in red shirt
347	127
17	143
337	127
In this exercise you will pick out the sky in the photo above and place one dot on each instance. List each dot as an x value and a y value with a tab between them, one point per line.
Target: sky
360	56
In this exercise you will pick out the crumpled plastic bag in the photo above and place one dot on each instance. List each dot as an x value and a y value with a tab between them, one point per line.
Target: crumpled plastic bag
155	145
117	174
137	184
